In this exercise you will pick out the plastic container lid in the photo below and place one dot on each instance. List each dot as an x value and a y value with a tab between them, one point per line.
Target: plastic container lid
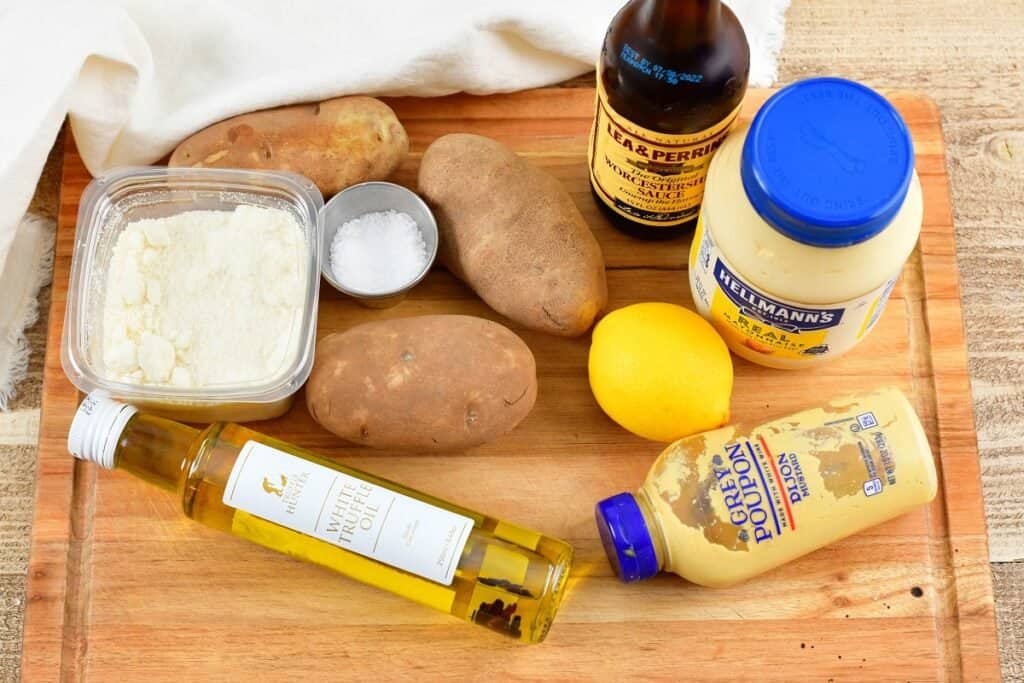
827	162
625	537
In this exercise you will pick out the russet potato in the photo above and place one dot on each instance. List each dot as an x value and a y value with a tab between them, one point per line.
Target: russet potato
434	382
336	143
513	234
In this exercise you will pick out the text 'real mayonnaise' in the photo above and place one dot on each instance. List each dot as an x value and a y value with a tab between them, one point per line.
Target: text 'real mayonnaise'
724	506
809	214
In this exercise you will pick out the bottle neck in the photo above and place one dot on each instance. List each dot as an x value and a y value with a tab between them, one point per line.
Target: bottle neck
643	501
156	450
682	24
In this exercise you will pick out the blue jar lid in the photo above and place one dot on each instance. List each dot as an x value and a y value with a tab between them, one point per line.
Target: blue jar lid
827	162
625	537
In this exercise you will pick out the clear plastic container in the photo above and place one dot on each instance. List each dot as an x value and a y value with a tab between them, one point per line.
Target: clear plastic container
112	201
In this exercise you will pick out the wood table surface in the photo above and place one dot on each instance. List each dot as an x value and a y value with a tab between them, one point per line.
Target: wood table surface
105	543
968	57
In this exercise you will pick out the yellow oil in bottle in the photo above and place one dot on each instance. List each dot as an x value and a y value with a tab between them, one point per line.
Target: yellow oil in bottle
507	578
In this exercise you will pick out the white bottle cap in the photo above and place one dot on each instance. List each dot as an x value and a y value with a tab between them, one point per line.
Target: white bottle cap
97	428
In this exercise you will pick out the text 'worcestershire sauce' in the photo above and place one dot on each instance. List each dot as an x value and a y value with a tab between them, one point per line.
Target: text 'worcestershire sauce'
670	81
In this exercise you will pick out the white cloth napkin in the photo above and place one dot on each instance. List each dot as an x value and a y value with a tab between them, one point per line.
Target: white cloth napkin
135	77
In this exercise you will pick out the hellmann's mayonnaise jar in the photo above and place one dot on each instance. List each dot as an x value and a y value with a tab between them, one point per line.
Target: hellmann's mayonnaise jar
726	505
809	214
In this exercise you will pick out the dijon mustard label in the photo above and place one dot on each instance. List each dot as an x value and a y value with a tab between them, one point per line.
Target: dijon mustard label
651	178
737	501
766	324
756	485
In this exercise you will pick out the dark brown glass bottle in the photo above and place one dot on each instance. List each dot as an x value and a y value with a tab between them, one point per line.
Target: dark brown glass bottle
670	80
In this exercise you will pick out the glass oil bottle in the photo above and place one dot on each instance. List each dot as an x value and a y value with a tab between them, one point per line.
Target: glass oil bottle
476	567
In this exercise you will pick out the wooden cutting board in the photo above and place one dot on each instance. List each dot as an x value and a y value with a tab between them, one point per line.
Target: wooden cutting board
122	587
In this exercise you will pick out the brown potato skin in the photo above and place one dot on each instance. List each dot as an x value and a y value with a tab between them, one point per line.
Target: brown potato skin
434	382
511	232
335	143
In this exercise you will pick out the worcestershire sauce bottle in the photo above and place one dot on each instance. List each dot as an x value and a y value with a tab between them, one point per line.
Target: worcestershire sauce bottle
670	80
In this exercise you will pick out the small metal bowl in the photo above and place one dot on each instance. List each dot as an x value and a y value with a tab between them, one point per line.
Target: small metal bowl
366	198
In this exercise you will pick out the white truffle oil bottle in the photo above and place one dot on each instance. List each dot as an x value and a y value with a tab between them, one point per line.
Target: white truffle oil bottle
478	568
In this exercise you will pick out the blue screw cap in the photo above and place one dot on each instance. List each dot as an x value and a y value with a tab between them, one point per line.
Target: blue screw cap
827	162
626	539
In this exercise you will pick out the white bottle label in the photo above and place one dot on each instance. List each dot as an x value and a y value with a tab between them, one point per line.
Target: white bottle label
353	514
769	325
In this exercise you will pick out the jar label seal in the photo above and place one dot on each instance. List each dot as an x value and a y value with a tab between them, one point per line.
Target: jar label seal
764	323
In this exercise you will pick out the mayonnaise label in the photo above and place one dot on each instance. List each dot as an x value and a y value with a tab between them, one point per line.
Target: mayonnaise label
767	324
771	311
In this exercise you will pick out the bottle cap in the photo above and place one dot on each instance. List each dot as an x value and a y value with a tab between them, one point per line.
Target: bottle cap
96	428
627	542
827	162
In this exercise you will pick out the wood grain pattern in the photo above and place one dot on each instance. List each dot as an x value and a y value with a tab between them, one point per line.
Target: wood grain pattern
122	587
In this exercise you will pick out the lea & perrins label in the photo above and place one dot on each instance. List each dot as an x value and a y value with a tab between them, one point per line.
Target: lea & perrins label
655	179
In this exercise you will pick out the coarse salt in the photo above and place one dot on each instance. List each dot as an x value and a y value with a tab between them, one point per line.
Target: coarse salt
378	252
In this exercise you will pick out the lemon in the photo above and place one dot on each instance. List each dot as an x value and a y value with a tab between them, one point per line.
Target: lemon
661	371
